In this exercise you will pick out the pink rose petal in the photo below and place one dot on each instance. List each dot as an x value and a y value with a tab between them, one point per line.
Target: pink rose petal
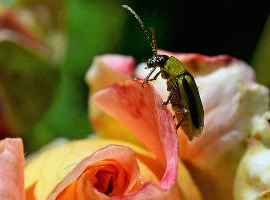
122	64
109	69
200	64
140	110
11	169
105	71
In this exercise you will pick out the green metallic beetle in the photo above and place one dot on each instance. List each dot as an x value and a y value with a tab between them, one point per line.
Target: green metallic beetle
184	95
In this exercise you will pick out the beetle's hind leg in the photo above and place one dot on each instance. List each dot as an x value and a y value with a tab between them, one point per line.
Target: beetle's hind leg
183	118
180	110
174	87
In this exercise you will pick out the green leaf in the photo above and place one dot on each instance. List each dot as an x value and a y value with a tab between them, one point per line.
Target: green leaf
29	82
95	28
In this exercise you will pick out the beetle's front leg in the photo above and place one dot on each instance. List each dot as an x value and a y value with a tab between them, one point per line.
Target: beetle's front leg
174	87
155	77
148	76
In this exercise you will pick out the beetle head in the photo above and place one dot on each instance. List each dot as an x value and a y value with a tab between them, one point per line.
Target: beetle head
157	61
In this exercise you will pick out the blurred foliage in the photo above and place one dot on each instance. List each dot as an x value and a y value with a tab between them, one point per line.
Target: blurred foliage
261	59
29	82
28	78
91	28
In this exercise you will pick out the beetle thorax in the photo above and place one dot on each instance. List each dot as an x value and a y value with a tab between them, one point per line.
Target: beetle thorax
174	67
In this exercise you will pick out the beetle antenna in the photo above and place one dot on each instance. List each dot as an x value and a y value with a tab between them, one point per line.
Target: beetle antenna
153	46
154	42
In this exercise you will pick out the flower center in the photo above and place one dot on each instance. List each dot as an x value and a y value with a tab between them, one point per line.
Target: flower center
105	181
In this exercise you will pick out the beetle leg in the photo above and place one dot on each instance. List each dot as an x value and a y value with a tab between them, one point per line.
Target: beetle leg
174	87
180	109
147	77
155	77
183	118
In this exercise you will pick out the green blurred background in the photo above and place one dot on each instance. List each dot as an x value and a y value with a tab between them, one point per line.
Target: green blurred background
46	46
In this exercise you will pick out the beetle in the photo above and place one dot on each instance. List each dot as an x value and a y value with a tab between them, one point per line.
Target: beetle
183	92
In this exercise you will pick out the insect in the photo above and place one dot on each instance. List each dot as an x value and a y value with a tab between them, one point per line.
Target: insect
183	92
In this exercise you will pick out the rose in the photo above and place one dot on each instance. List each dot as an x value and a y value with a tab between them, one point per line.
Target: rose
56	182
109	69
232	102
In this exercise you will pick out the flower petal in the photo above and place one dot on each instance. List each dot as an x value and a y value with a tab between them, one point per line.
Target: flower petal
11	169
228	93
188	188
252	180
105	71
140	109
115	163
59	170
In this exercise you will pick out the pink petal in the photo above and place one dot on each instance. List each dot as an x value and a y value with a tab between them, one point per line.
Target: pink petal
11	169
105	71
122	64
200	64
109	69
140	110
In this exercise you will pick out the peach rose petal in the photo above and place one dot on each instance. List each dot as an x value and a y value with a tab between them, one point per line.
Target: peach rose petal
49	168
11	169
105	71
140	109
200	64
110	171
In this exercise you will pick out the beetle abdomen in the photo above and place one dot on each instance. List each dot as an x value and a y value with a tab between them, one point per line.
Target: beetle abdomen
193	108
190	99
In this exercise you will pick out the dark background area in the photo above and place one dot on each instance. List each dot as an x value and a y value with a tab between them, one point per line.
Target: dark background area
222	27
